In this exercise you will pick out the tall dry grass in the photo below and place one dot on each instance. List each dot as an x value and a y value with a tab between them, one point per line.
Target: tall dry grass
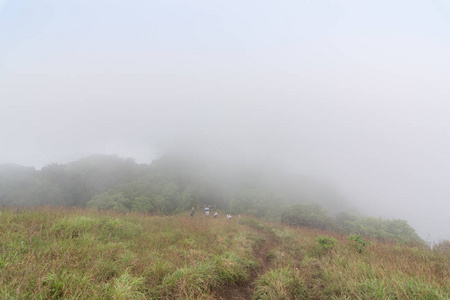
382	270
60	253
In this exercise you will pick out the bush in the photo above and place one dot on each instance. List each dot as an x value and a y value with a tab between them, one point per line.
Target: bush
308	216
110	200
360	243
326	242
394	230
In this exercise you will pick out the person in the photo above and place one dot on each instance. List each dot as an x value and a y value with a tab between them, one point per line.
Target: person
228	216
215	214
207	211
192	211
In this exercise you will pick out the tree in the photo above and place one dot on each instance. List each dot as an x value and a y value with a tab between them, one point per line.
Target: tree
112	201
311	215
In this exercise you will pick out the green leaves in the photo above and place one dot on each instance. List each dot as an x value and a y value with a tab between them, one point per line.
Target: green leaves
326	242
360	243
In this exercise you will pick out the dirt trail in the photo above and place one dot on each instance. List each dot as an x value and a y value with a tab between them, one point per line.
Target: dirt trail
244	290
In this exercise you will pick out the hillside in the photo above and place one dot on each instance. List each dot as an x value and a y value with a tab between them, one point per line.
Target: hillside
179	181
58	253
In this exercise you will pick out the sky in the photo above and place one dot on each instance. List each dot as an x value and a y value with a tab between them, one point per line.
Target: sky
356	93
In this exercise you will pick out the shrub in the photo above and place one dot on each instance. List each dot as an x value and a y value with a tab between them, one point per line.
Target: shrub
394	230
111	201
326	242
360	243
142	204
307	215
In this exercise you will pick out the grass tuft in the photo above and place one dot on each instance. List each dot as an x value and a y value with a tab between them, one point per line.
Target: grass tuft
279	284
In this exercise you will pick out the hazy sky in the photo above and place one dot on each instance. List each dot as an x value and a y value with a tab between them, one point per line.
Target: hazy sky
354	92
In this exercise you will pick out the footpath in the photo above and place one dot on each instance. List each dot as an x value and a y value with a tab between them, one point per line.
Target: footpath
244	290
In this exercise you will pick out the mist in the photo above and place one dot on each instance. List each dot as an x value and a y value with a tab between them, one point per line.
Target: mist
353	94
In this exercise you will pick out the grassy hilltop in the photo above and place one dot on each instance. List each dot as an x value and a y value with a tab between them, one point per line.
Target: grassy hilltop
63	253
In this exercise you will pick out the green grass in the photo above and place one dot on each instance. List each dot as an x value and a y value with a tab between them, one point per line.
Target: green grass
56	253
280	283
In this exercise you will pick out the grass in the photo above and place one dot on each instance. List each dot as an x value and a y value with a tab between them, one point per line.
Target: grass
280	283
382	271
58	253
55	253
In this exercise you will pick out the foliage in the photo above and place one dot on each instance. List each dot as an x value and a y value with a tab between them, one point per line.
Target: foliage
326	242
307	215
395	230
176	183
163	198
259	203
239	185
111	200
360	243
66	185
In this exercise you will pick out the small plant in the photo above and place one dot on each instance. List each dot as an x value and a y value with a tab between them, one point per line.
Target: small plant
360	243
55	285
326	242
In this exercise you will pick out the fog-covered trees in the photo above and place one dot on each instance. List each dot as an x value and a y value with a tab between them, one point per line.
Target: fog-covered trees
311	215
175	183
377	227
315	216
73	184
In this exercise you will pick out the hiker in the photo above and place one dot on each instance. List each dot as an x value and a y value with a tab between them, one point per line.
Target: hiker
207	211
215	214
192	211
228	216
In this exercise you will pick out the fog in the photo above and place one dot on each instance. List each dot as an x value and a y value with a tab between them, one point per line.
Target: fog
354	94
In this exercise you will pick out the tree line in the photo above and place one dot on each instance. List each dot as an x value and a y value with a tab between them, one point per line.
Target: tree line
174	183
